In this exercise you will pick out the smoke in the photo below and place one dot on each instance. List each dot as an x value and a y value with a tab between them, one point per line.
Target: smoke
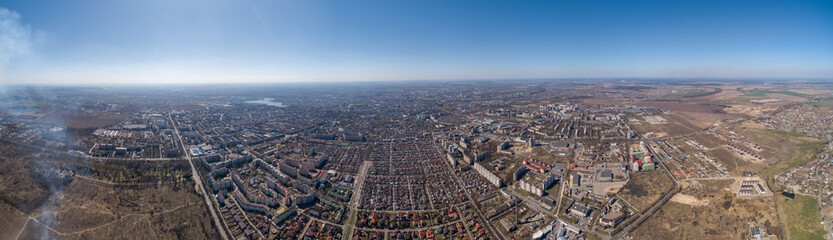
50	208
16	38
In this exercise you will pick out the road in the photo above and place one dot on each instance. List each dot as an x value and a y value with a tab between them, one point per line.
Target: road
354	202
246	216
824	222
196	176
560	198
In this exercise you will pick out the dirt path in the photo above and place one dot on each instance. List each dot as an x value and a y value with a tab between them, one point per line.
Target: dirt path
99	226
688	200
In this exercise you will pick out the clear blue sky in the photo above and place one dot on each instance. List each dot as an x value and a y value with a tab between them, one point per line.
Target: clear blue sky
187	41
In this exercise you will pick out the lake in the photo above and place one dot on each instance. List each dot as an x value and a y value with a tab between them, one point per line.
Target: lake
268	102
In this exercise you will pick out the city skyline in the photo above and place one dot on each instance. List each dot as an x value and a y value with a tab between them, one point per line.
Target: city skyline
92	42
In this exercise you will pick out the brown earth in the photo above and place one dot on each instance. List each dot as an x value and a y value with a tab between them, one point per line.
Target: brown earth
78	119
722	217
11	222
645	188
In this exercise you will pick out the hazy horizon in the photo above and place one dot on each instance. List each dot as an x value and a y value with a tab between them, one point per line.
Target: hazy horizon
622	80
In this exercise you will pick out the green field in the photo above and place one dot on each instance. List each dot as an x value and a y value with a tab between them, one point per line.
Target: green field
553	191
727	103
763	93
688	94
813	105
801	217
784	134
804	153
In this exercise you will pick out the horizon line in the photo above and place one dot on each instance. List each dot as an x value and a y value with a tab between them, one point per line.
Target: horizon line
792	79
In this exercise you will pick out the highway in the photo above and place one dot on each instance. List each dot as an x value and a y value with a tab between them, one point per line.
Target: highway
196	176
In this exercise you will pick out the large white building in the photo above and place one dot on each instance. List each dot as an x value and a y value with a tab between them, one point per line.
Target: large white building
536	184
494	179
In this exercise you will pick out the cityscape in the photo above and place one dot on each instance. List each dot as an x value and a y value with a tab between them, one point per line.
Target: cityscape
544	159
383	120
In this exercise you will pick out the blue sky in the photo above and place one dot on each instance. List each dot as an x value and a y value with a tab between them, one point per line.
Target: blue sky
187	41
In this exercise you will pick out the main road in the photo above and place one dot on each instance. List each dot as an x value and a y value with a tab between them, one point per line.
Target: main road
196	176
354	202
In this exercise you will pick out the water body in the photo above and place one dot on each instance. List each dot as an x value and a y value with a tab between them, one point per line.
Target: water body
268	102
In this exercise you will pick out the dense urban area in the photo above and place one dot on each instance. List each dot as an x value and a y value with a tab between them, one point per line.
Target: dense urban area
532	159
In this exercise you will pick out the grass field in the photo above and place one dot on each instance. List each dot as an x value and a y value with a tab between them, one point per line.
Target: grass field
804	152
727	103
801	217
687	94
783	134
553	191
813	105
763	93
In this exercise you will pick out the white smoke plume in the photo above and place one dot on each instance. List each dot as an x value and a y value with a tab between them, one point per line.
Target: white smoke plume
16	38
